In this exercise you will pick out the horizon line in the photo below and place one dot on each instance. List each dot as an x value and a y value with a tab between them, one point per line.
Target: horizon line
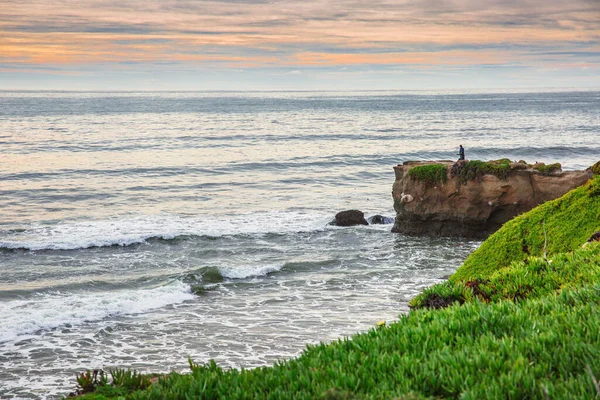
534	88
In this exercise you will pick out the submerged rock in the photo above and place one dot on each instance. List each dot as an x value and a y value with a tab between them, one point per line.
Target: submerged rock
349	218
380	220
473	202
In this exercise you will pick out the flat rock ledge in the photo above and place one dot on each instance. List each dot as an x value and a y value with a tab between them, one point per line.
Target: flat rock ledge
477	207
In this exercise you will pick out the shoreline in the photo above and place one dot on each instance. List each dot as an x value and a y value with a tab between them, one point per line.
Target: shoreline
482	339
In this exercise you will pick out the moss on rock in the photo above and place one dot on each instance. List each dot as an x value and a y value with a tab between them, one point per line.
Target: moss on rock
548	169
430	174
475	169
596	168
500	161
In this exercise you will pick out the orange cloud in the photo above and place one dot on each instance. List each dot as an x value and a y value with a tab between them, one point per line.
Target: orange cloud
287	32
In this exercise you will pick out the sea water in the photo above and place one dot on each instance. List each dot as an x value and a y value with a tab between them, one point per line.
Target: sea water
137	229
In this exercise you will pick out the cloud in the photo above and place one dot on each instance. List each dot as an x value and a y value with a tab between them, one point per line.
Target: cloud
300	34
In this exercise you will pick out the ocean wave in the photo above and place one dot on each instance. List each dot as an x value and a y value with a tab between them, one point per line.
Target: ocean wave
214	275
129	230
307	265
53	310
249	271
205	275
563	154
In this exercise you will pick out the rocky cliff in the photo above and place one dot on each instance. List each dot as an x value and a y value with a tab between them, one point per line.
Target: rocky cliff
473	199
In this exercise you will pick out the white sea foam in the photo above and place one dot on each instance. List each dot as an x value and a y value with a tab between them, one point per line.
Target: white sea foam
248	271
127	230
48	311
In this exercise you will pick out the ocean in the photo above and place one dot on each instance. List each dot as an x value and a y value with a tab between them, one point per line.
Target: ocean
140	229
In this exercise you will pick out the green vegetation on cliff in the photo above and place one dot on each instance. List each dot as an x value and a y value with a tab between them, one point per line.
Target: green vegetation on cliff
548	169
535	277
520	319
556	226
430	174
476	169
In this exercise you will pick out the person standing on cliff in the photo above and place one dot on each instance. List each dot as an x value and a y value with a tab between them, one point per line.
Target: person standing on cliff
461	152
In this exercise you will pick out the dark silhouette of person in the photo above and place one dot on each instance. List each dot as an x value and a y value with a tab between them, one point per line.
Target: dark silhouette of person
461	152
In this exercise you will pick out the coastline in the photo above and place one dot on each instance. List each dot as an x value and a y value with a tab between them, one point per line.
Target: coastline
496	334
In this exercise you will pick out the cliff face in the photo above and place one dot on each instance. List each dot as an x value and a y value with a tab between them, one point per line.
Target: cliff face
477	207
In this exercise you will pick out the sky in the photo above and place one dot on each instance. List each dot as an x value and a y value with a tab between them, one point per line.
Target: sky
298	45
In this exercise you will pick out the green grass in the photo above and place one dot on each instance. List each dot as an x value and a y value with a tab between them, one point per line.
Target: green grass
556	226
535	277
430	174
121	383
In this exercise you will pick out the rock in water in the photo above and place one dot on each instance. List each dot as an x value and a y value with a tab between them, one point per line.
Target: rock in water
380	220
349	218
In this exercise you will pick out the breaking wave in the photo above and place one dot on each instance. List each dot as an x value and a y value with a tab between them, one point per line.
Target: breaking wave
125	231
53	310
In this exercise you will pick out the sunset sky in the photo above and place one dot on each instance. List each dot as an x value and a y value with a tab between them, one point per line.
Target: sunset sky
299	45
